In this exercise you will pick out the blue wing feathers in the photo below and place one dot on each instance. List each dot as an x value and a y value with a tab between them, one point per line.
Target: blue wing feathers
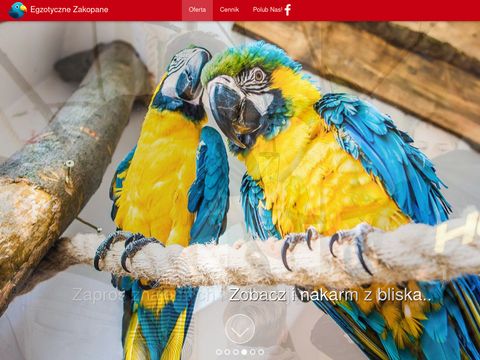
446	350
467	339
386	152
390	347
118	179
209	194
258	219
376	321
409	178
158	327
123	283
436	325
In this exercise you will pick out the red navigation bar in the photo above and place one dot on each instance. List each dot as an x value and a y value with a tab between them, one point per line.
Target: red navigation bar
231	10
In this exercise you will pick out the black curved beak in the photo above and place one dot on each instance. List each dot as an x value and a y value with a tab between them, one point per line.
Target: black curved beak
235	115
188	84
225	105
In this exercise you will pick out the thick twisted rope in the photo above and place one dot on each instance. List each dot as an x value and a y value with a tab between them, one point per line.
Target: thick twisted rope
413	251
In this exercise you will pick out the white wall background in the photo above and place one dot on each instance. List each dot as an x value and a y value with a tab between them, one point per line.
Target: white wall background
77	314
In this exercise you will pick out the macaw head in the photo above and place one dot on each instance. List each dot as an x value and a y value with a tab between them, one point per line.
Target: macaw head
181	88
17	10
253	90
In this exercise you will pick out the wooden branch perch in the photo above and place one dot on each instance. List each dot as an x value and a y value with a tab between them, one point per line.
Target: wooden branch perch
408	69
39	194
452	42
413	251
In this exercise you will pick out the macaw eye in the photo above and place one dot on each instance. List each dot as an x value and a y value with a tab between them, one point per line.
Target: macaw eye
174	63
258	75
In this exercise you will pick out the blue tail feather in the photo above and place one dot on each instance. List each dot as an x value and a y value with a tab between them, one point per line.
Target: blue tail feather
158	327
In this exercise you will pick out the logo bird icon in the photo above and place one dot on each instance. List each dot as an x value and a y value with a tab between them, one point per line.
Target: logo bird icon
17	10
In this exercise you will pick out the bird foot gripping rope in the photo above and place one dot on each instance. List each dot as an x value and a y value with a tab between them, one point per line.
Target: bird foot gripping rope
413	251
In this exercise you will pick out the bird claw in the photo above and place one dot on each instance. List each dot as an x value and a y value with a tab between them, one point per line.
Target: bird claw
133	245
312	233
335	238
358	235
132	238
106	245
293	239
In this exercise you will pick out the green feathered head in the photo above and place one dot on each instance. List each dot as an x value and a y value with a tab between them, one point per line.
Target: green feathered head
252	91
257	54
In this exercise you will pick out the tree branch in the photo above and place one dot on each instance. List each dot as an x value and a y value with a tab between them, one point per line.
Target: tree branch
45	185
413	251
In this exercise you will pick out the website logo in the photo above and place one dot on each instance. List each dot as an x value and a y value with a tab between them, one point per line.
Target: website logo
288	7
17	10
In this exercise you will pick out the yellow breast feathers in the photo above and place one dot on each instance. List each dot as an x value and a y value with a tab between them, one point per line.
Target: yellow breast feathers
309	179
155	192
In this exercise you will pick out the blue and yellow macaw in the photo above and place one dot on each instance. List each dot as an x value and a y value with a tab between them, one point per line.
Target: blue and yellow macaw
172	188
334	162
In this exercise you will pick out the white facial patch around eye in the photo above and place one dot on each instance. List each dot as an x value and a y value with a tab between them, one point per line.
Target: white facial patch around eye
179	60
175	69
169	85
261	101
